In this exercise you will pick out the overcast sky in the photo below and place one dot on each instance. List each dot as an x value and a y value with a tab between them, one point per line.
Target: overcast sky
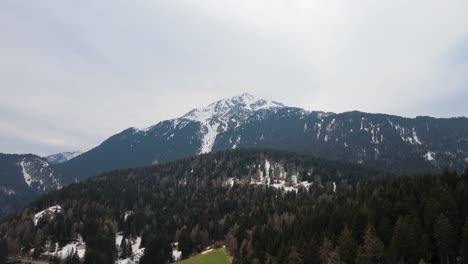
72	73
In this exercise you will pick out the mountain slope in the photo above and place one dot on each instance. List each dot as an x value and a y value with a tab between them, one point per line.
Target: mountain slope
396	144
223	199
133	203
191	134
23	177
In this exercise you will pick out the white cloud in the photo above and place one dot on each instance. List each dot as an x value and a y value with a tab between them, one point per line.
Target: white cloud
77	72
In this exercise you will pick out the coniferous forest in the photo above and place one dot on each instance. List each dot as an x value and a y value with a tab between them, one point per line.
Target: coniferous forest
348	213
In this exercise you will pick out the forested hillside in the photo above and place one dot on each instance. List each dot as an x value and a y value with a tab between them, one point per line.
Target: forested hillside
23	178
264	206
385	142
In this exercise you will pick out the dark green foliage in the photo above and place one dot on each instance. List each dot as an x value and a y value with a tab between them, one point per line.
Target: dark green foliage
464	243
54	260
72	258
158	251
100	246
3	250
373	250
445	239
370	218
294	257
185	243
347	247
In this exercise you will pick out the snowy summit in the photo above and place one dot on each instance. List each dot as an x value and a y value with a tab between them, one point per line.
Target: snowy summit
226	114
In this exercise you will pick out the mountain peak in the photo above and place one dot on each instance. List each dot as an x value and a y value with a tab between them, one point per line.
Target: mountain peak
227	113
243	103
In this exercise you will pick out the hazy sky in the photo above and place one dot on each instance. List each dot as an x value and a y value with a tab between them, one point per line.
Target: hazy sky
72	73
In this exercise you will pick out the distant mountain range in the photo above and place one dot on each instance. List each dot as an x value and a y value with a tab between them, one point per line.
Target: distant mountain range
63	156
392	143
385	142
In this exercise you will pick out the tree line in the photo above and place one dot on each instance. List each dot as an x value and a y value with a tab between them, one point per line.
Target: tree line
371	218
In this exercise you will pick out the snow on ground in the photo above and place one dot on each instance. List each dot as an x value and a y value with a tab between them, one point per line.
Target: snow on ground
49	211
71	247
118	239
133	259
267	168
137	251
64	156
27	177
135	243
429	156
68	249
209	137
281	185
229	182
127	214
176	255
206	251
7	191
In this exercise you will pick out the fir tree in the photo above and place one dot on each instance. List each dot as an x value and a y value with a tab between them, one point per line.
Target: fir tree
347	247
185	243
444	237
3	250
294	257
54	259
426	248
373	250
464	243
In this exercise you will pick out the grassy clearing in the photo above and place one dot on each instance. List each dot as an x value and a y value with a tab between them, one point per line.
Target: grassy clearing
217	256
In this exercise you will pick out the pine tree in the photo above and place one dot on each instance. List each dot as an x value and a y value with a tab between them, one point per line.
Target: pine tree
76	258
3	250
425	248
185	243
464	244
444	237
399	242
129	250
325	250
373	250
347	247
231	243
53	259
156	252
124	249
294	257
72	258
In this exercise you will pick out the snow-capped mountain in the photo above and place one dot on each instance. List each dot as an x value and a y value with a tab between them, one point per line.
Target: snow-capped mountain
397	144
385	142
190	134
63	156
225	115
23	177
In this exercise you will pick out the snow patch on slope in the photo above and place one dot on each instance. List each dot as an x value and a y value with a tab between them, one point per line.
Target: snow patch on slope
53	210
75	246
26	176
429	156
